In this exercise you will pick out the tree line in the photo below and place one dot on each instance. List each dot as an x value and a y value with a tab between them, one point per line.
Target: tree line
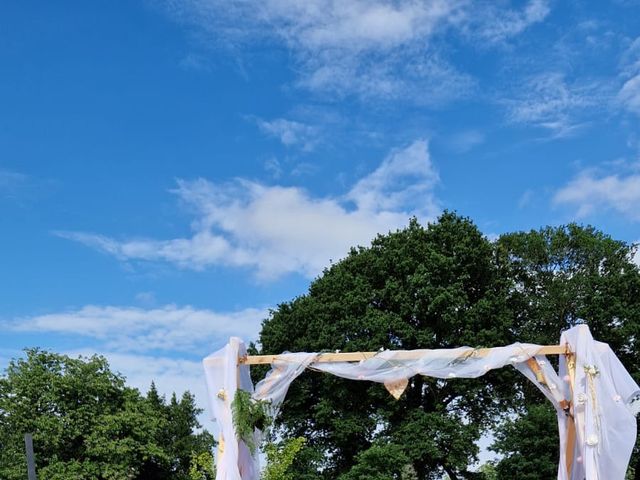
440	285
88	424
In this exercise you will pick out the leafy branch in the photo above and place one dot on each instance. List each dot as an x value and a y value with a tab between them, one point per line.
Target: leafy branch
249	415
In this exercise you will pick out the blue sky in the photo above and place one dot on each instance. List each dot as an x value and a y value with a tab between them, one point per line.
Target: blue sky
171	169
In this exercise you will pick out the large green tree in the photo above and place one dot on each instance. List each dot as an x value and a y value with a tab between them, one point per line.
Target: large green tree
442	286
433	287
88	425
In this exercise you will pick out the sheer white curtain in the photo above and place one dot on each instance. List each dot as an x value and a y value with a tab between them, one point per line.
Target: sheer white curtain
602	396
602	393
233	459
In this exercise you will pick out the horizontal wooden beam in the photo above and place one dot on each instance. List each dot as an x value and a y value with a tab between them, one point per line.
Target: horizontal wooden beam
402	355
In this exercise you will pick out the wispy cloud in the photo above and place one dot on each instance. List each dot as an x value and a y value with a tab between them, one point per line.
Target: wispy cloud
465	141
629	95
145	345
371	49
133	329
275	230
497	25
11	182
526	198
592	192
291	133
550	101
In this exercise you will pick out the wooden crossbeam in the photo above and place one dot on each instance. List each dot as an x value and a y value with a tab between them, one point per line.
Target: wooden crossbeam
400	355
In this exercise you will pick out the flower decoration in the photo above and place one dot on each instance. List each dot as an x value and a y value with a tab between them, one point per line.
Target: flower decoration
591	370
592	440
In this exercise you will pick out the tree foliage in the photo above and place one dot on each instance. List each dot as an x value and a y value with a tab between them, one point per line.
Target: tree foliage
202	466
88	425
561	276
442	286
280	458
529	452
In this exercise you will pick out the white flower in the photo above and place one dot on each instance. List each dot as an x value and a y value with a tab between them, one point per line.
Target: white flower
592	440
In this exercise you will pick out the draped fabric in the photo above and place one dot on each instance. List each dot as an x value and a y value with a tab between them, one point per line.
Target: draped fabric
224	377
601	394
592	391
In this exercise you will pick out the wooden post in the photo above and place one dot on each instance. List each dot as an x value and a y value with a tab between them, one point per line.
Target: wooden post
31	462
571	423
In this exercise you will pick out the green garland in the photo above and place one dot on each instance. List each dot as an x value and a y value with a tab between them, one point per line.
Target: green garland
249	415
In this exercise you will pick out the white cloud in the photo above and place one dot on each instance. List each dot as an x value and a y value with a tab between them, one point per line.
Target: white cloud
426	80
373	49
549	101
276	230
145	345
403	177
498	26
273	167
631	57
629	95
590	193
291	133
132	329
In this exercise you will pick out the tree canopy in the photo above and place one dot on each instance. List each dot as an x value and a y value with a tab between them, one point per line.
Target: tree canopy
88	425
442	286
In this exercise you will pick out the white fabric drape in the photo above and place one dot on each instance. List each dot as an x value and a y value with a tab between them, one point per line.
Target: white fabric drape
284	370
391	366
224	377
605	426
602	393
